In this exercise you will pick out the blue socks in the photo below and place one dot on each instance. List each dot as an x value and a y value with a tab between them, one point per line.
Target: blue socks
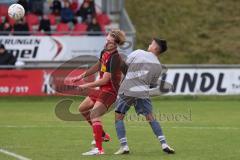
121	132
158	131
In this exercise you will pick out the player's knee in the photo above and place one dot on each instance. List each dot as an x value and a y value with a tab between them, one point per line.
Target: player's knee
82	110
93	115
119	116
150	117
95	120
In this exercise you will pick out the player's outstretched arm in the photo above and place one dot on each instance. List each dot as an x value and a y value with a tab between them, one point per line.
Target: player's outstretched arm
106	78
161	88
92	70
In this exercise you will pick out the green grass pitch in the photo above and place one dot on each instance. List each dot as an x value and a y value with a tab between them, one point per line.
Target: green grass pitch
197	128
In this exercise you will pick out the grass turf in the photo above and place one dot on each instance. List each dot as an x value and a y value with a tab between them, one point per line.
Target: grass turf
29	127
198	31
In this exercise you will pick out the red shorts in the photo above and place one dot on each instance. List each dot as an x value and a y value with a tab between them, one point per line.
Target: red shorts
104	97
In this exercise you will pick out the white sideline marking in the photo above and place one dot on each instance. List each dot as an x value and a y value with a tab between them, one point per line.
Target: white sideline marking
13	155
220	128
133	126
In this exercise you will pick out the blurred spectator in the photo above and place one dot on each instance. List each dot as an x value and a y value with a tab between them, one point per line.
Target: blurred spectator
45	25
5	28
87	11
94	28
56	7
67	14
46	7
6	58
66	1
24	3
21	28
36	6
92	5
74	6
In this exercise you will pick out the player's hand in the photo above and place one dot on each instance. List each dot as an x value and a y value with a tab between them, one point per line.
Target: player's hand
76	79
70	79
83	87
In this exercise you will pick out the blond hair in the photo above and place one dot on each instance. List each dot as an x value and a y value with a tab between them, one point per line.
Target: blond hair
119	36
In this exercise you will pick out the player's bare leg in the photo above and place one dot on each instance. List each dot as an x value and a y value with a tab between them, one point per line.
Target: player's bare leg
98	110
85	109
159	134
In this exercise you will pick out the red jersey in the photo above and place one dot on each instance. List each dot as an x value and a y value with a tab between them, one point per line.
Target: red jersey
110	62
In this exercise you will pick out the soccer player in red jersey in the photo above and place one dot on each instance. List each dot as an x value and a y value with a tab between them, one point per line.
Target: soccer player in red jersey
98	101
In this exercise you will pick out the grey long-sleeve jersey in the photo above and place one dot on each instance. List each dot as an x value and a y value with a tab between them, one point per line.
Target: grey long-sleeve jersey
144	70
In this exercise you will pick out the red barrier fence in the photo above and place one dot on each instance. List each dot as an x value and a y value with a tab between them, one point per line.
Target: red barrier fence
34	82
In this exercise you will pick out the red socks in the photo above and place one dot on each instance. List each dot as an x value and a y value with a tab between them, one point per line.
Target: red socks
87	117
98	131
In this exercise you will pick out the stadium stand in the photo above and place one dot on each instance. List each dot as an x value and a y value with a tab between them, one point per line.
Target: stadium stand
103	19
32	19
10	20
52	19
81	12
3	10
62	28
48	49
80	29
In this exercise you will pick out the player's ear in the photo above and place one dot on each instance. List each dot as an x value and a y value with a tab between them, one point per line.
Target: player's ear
157	50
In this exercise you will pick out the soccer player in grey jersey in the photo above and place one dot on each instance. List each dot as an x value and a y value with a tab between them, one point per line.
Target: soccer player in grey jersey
143	70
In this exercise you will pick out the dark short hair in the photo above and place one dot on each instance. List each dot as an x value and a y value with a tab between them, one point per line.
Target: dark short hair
162	44
2	46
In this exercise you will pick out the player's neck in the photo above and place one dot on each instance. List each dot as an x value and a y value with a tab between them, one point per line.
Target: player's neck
155	54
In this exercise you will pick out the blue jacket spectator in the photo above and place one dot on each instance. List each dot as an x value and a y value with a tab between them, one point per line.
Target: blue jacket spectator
67	14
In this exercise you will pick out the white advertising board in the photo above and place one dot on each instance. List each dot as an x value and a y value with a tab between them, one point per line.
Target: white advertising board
57	48
204	81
